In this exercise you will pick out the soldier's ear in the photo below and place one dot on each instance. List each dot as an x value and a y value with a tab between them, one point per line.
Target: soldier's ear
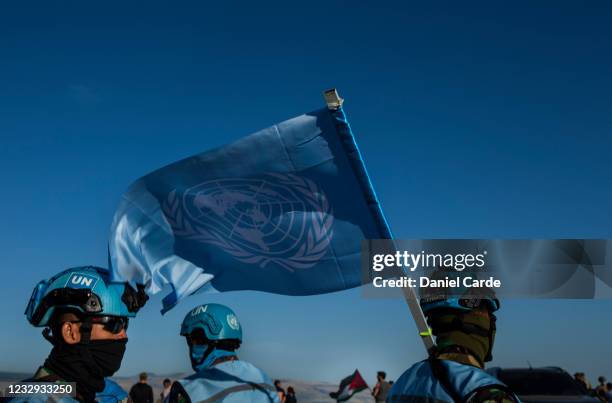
71	332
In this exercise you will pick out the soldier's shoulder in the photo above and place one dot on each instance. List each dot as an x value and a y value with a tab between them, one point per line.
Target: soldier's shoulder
43	374
417	367
406	379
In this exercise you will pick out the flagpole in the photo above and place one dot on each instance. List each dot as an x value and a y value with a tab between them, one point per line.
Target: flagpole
334	104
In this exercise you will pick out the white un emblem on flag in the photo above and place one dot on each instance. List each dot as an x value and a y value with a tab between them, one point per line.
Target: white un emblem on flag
280	219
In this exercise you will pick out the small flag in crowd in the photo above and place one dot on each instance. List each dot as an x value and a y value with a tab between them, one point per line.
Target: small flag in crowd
349	386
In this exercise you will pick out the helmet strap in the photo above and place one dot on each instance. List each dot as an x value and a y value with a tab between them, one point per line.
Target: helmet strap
85	330
492	330
214	354
209	349
47	335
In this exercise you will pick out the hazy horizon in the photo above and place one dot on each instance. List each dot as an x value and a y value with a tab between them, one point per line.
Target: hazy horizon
480	120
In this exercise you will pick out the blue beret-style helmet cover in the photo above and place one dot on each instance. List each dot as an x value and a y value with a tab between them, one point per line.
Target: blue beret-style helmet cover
217	321
85	289
461	304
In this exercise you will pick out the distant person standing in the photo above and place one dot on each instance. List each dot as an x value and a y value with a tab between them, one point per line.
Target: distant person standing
581	379
142	392
167	385
600	390
280	391
381	390
290	397
608	393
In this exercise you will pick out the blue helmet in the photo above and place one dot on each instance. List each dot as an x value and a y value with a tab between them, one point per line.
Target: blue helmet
217	321
86	290
459	298
430	305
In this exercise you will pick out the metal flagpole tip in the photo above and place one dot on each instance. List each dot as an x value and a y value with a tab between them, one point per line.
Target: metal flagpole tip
332	99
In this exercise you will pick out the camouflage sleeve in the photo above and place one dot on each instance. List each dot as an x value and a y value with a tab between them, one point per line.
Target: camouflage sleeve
492	394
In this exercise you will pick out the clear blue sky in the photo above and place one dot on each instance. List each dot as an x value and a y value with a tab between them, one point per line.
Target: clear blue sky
487	119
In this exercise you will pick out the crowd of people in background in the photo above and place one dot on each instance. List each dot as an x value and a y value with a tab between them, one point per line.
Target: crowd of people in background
603	390
285	396
142	392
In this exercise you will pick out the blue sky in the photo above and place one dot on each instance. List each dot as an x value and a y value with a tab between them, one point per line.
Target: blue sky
483	120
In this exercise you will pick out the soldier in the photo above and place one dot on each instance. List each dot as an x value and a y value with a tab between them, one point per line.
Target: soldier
85	316
213	335
465	332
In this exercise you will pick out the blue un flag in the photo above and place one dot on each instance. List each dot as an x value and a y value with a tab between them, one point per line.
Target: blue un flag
283	210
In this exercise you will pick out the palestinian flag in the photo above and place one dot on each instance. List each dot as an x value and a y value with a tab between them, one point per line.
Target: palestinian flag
349	386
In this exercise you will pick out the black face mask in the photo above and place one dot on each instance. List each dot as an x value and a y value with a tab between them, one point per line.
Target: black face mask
107	354
87	363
